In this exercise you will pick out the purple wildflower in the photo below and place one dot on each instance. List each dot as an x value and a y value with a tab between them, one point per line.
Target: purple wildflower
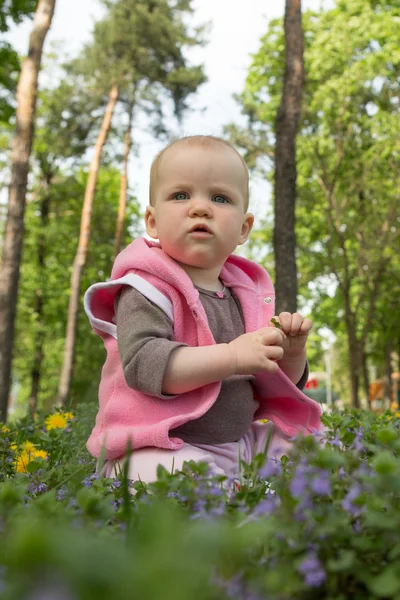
199	505
315	578
312	570
336	441
317	434
298	483
215	489
357	446
219	510
271	468
353	493
321	485
37	489
266	507
87	482
62	493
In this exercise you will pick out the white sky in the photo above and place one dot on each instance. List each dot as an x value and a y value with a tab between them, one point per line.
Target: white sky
236	27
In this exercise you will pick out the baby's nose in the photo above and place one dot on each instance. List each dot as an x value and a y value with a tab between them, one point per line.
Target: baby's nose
200	206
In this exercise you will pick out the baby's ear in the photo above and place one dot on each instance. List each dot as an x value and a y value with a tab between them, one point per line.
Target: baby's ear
247	226
150	222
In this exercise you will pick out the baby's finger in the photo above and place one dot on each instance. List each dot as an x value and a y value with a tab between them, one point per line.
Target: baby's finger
305	327
274	352
296	323
271	336
285	319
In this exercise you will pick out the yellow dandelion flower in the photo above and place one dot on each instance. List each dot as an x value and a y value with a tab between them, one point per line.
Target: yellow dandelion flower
22	462
56	421
28	446
40	454
69	415
397	414
26	457
5	429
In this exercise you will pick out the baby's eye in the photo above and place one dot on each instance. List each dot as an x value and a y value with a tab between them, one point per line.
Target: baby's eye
220	199
180	196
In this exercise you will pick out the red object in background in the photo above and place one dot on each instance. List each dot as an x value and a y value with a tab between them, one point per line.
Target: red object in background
311	383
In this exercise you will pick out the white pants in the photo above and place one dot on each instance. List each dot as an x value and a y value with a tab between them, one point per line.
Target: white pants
224	459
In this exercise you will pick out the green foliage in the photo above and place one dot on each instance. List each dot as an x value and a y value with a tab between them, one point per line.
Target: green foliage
11	11
323	522
347	158
140	46
16	11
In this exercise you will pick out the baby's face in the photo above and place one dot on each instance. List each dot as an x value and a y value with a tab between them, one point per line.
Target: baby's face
199	202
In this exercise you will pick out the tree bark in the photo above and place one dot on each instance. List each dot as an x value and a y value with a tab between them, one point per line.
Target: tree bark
286	126
354	366
14	231
80	257
387	377
40	298
366	379
124	184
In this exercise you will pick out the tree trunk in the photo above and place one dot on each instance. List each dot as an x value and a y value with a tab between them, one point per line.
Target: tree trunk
366	379
387	377
286	126
80	257
40	299
14	231
355	367
124	185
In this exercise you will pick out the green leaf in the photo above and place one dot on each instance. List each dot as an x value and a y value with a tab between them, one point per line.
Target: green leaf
386	584
387	435
385	463
343	563
328	459
34	465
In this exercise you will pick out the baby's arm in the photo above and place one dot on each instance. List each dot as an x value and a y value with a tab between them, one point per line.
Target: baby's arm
145	341
190	368
155	364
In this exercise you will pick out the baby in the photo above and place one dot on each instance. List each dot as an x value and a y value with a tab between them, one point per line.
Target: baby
194	362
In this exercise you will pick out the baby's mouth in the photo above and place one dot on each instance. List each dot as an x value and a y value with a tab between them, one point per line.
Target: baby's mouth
200	229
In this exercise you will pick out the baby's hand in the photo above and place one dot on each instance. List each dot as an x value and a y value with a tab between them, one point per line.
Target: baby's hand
257	351
296	329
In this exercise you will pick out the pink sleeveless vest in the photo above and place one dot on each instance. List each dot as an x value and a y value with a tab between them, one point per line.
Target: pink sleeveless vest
126	414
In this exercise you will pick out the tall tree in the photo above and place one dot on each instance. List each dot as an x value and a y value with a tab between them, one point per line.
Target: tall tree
22	145
286	126
124	181
80	257
139	44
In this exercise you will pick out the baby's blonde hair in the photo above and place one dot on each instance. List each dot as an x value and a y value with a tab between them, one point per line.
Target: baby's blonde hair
197	140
